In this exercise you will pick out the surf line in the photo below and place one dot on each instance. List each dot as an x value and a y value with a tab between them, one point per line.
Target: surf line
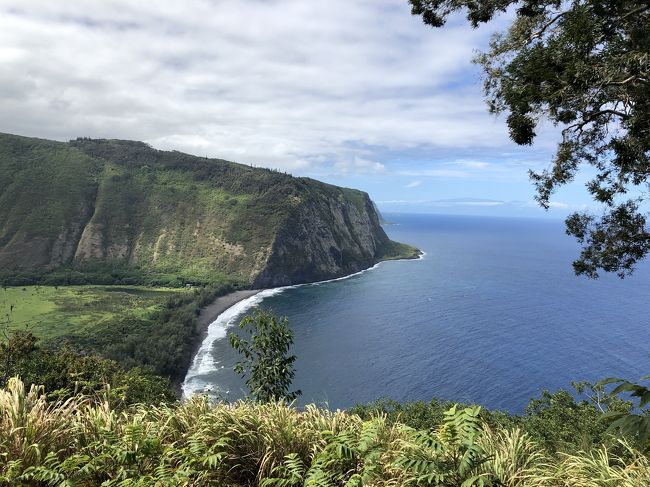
204	362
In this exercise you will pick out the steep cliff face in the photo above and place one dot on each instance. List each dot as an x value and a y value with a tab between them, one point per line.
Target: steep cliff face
121	203
326	238
47	190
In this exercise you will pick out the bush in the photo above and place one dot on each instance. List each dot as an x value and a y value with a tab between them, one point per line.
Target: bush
85	442
64	374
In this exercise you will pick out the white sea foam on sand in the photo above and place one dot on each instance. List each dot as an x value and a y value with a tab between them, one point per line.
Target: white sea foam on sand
203	360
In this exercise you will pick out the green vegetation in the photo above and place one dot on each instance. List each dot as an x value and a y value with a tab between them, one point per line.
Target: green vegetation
121	212
134	208
625	422
34	175
65	374
135	326
164	339
558	422
397	250
582	65
87	442
107	273
51	312
266	363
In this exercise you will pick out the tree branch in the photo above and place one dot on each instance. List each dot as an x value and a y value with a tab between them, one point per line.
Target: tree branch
589	117
634	12
626	81
540	32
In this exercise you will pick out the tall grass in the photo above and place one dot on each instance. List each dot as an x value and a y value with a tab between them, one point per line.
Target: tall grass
84	442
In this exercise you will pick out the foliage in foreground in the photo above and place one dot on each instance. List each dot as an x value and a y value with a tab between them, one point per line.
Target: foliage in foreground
557	422
83	442
266	363
639	423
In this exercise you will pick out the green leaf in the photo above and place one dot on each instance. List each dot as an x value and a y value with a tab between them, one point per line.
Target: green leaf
628	387
645	399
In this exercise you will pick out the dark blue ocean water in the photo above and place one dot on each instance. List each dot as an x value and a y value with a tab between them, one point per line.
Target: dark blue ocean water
493	314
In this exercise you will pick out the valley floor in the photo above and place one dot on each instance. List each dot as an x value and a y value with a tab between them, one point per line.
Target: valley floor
56	311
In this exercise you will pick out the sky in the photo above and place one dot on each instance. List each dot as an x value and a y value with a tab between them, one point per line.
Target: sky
358	93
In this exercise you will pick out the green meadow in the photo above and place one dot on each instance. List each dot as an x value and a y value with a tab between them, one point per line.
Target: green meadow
54	311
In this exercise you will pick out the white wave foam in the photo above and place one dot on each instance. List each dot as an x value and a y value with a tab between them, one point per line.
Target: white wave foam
204	362
420	257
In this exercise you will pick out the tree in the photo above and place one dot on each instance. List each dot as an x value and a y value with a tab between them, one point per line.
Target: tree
266	362
15	353
570	422
585	66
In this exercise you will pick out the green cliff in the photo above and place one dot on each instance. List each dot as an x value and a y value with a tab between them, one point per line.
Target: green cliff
122	204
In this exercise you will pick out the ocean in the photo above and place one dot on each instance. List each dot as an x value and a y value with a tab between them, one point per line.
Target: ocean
492	314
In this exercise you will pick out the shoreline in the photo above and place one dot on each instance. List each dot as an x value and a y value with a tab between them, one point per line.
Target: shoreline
207	316
212	312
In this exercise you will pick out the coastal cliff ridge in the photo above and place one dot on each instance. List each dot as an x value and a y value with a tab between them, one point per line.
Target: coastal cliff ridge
93	204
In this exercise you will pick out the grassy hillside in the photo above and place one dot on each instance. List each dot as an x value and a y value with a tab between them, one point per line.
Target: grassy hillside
138	206
112	211
46	192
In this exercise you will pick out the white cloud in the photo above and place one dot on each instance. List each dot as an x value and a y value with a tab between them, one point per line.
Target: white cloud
283	83
401	202
413	184
358	165
473	164
472	202
481	202
558	205
452	202
435	173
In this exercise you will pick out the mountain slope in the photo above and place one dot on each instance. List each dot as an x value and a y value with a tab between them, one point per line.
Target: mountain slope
89	203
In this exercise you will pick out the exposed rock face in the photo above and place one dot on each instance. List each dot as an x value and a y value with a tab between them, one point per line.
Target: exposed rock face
124	203
324	239
65	246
